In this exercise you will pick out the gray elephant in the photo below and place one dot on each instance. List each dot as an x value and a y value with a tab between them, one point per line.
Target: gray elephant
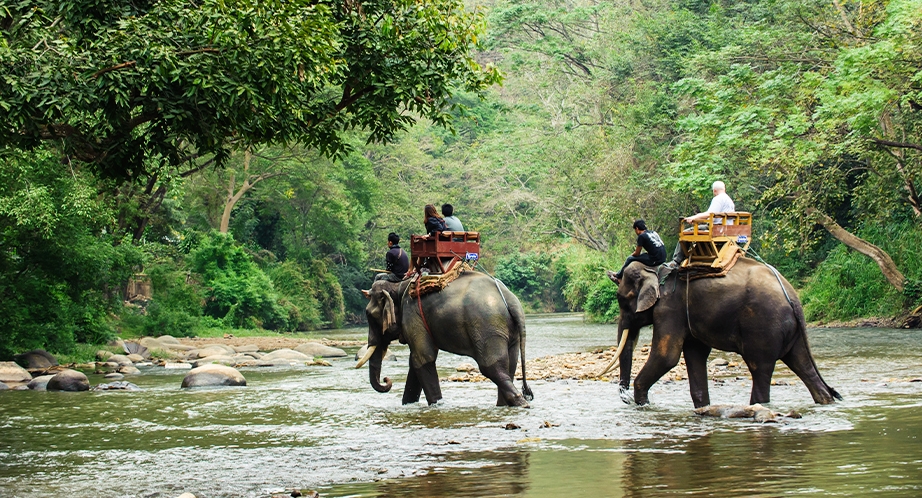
473	316
752	311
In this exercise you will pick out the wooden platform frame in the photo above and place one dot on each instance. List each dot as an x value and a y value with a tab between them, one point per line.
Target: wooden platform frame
714	241
440	252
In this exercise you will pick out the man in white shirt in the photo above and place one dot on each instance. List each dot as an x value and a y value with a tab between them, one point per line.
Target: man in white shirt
721	203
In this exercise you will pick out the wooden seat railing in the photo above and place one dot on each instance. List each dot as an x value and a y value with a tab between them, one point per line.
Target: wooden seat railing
712	242
439	252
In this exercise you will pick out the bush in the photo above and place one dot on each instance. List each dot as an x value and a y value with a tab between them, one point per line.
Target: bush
235	289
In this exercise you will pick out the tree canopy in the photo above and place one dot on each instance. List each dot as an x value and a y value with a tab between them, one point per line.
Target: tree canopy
125	86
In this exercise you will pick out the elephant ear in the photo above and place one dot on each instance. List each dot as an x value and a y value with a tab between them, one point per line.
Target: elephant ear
649	291
388	316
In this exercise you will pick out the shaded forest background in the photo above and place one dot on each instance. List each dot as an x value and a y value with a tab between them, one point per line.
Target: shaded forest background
808	110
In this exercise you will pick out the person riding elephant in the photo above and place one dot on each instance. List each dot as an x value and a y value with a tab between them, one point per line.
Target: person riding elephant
752	311
473	316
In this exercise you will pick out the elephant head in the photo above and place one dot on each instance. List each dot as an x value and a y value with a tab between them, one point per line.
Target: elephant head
637	293
383	327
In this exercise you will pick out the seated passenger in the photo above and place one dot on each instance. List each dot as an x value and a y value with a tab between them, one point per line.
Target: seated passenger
434	222
721	203
396	261
647	240
451	221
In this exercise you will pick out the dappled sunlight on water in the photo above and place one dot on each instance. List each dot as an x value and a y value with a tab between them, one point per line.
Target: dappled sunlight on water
325	428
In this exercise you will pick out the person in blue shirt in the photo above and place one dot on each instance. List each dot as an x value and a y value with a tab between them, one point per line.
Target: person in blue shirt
647	240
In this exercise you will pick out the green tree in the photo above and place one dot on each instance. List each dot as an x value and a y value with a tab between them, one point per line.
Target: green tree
126	86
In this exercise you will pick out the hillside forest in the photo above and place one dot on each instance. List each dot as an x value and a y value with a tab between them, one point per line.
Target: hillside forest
209	167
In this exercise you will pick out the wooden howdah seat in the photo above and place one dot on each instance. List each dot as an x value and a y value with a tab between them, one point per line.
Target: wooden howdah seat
439	253
716	241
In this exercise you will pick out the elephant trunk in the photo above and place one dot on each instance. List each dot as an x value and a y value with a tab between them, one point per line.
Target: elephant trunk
374	370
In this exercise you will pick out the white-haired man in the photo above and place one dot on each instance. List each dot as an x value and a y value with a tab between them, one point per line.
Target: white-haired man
721	203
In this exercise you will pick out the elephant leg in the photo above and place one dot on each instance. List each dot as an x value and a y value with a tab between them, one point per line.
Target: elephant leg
696	357
761	372
801	363
508	394
412	389
664	355
428	379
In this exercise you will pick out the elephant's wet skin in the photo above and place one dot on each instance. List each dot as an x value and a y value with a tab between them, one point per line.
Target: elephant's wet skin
475	316
746	312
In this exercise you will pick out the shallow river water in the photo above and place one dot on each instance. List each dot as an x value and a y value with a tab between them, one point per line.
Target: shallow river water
324	428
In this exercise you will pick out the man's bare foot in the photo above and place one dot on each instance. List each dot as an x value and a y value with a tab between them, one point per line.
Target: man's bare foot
613	277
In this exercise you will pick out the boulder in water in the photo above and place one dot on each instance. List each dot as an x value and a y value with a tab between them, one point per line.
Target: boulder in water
213	375
69	380
10	371
286	354
315	349
119	385
120	359
36	359
40	383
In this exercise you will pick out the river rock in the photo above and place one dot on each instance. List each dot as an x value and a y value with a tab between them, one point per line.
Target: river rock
186	495
103	355
10	371
315	349
36	359
167	339
247	348
135	358
718	362
213	375
150	342
215	350
69	380
465	367
128	370
4	387
40	383
114	376
221	359
119	385
120	359
177	366
286	354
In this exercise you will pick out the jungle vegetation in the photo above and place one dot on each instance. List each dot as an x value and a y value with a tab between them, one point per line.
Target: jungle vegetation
246	160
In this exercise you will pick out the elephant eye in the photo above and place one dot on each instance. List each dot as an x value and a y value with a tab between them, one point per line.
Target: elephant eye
630	295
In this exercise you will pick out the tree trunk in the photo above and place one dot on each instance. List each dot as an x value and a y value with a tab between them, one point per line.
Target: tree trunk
883	260
249	181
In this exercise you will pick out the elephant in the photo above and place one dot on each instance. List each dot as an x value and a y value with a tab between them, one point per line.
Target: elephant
752	311
473	316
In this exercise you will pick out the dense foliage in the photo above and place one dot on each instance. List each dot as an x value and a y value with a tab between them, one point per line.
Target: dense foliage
249	160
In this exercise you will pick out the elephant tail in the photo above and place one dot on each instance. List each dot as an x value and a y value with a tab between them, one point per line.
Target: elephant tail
802	331
518	321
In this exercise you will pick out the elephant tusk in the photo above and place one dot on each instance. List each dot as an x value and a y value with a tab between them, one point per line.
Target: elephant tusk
364	360
614	361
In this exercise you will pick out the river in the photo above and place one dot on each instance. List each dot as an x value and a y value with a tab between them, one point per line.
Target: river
324	428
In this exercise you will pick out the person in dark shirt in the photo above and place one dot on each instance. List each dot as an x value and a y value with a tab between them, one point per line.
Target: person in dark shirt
396	261
646	240
434	222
